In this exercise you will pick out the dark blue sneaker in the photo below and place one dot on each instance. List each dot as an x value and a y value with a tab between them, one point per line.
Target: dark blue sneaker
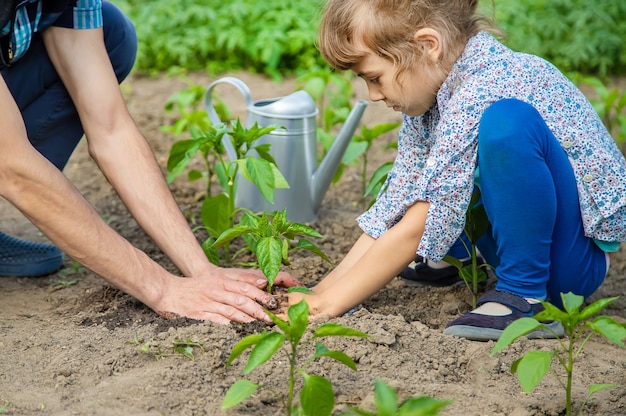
21	258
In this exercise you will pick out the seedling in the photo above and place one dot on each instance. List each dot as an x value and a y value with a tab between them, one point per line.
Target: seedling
386	400
4	407
579	327
317	396
269	238
218	211
476	224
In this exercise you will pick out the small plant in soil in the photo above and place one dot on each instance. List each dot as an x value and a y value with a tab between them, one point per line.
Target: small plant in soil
476	224
386	401
317	395
579	327
269	236
5	406
218	211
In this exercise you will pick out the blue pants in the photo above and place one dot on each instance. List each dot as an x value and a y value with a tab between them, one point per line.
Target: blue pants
52	122
529	192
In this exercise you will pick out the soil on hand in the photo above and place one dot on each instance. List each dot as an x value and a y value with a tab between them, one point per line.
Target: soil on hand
73	345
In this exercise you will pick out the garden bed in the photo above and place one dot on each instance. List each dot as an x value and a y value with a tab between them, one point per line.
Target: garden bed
75	349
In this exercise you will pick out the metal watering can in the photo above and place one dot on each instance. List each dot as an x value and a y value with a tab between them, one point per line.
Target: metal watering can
294	149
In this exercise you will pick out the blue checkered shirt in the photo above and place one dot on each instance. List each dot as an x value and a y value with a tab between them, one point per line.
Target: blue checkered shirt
33	16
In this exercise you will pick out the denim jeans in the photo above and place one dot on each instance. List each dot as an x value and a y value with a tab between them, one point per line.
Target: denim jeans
529	192
52	122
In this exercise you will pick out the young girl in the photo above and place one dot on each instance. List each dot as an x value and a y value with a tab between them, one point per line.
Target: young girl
552	180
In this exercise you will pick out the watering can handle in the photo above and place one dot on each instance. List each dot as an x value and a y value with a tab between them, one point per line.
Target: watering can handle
208	104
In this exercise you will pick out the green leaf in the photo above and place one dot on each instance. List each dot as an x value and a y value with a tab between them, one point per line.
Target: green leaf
180	155
194	175
215	214
454	261
280	182
299	289
609	329
596	307
516	329
353	151
304	244
238	392
572	302
386	399
322	351
282	325
598	387
244	344
532	368
269	253
260	173
383	128
317	397
299	319
422	406
331	329
302	229
378	178
264	350
231	234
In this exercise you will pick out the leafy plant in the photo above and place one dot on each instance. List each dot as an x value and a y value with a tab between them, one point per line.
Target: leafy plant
362	145
269	237
579	327
316	396
272	37
218	211
476	223
386	400
575	35
186	104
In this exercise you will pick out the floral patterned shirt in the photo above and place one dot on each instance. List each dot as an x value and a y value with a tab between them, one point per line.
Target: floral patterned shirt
437	151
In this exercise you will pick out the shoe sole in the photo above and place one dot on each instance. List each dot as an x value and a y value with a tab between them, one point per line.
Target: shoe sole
554	330
42	268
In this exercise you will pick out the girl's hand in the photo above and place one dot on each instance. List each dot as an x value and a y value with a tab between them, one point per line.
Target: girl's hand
311	299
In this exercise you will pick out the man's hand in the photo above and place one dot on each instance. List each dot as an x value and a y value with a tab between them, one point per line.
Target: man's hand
221	296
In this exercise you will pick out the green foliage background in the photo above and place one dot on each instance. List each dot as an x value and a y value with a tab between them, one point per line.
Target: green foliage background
277	37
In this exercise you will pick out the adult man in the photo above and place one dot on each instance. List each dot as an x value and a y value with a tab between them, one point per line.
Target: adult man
62	61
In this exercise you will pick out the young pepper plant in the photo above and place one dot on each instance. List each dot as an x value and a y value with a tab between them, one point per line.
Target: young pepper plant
476	224
386	401
579	327
218	211
269	237
317	395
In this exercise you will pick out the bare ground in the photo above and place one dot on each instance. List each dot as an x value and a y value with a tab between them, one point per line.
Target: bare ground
75	350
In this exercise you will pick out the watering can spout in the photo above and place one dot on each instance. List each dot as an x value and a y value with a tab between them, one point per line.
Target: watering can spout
323	176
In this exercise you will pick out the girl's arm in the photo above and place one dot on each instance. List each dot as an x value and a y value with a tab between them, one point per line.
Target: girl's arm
369	266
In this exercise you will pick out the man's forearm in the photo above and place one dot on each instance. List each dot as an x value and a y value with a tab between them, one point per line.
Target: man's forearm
135	175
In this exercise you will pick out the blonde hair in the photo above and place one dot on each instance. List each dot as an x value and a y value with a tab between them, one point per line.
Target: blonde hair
387	28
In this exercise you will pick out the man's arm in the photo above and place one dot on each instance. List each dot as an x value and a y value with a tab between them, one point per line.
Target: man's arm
44	195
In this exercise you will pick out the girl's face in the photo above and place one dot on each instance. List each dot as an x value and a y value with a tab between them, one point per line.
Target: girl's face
414	92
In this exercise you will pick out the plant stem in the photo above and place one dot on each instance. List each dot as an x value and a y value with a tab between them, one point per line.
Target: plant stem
292	374
474	277
569	371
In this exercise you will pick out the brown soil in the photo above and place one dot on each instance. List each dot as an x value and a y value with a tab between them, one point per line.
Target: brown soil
75	350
